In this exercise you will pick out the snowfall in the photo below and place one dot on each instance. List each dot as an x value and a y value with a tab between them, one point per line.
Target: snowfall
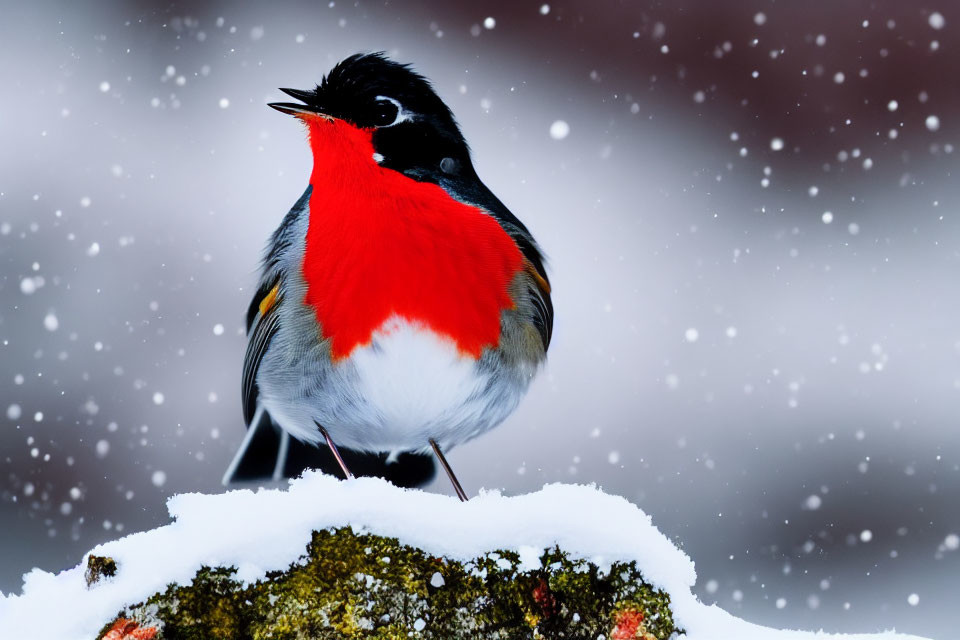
268	529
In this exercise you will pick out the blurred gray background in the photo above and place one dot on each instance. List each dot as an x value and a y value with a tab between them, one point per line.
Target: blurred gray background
753	233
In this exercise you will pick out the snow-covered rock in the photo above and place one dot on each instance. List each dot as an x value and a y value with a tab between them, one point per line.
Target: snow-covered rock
267	530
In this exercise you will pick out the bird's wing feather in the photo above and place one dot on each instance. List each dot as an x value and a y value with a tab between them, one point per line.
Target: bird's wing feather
262	317
263	326
539	290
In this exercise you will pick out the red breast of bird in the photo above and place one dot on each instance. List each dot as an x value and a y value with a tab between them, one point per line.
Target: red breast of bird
382	247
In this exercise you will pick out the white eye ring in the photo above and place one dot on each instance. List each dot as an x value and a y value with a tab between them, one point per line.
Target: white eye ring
402	114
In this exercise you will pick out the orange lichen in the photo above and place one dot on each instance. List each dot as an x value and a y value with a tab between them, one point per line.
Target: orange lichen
628	625
543	597
124	629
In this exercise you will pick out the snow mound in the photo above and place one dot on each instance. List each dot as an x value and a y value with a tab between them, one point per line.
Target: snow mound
265	530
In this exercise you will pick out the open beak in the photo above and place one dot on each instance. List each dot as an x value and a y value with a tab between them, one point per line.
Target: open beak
296	109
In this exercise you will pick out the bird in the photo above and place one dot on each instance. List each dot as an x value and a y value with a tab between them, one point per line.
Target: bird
401	308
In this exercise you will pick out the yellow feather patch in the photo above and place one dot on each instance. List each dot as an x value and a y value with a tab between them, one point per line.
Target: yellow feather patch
541	281
269	300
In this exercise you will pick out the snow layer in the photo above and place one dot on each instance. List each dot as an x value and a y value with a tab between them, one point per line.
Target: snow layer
269	529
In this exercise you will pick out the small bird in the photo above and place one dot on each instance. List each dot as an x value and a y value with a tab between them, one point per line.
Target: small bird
401	307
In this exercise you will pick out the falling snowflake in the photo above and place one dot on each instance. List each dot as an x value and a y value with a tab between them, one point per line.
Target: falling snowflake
559	129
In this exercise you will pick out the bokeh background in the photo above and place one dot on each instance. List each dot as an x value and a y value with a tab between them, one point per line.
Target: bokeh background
750	211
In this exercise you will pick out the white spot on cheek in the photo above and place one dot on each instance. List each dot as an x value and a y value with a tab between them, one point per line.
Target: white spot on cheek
378	158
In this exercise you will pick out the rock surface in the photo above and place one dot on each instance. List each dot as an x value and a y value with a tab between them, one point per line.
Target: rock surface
351	585
567	561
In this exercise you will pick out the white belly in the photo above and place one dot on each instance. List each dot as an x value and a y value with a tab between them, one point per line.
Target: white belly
407	386
415	382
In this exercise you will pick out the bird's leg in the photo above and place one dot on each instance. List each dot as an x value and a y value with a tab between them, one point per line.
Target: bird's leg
333	449
446	467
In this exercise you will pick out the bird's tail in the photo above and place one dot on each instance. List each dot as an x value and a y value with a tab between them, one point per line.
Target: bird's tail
270	453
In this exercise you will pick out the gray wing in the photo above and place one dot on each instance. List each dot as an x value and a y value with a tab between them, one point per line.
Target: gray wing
264	327
263	321
538	288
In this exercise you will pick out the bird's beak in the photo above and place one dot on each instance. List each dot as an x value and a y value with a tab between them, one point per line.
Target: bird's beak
296	109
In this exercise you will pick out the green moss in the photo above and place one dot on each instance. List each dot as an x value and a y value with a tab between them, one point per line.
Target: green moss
99	567
352	585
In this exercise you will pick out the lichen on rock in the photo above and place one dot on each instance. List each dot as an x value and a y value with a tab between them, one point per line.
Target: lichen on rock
360	585
98	568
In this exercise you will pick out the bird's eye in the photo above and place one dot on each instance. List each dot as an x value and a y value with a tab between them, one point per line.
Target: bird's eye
386	112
